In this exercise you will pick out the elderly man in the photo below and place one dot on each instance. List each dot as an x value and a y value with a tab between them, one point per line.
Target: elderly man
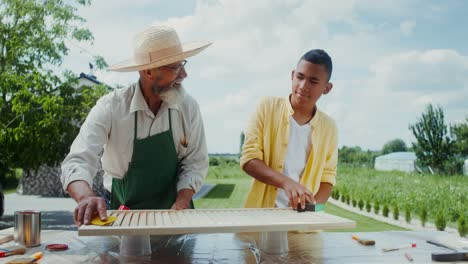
150	135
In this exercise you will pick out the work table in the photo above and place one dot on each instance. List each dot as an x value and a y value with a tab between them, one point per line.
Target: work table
317	247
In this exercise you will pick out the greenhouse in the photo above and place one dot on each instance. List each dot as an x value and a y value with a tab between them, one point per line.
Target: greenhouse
401	161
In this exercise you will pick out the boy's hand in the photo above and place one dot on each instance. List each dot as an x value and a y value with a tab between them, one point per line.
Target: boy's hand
297	193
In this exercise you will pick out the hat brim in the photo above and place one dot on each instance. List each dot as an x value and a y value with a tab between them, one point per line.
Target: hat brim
188	50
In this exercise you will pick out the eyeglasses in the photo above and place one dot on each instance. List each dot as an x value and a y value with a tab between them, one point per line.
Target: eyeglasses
176	68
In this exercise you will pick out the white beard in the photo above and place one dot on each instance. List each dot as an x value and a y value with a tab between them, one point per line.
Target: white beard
173	95
169	93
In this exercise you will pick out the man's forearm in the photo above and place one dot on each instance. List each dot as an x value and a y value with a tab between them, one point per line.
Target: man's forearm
79	190
323	193
260	171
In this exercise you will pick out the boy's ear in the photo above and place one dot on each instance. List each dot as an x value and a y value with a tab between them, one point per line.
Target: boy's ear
328	88
292	74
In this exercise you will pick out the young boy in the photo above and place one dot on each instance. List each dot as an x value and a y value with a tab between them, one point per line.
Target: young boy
290	146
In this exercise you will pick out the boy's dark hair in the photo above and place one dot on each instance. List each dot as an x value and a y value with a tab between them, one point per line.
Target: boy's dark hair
318	56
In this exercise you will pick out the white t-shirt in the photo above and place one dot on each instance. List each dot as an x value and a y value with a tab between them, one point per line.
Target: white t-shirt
296	156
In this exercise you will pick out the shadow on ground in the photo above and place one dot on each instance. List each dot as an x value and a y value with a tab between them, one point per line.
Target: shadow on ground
57	220
221	191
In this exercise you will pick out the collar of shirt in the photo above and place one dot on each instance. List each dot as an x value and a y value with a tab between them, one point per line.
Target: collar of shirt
315	120
138	102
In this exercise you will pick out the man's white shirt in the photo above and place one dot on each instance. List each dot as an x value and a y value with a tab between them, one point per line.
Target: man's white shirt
110	127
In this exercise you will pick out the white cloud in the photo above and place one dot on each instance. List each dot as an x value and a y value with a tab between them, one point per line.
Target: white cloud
379	87
423	71
407	27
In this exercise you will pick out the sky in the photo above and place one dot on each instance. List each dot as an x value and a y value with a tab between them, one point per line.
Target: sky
390	58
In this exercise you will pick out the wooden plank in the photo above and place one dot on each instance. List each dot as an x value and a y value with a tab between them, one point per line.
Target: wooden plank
165	222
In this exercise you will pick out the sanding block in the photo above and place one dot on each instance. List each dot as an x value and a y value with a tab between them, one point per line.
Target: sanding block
309	207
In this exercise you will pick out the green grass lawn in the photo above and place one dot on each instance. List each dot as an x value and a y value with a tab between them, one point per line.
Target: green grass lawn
231	190
221	196
363	223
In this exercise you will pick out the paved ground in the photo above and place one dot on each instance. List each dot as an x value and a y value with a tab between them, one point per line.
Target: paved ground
57	213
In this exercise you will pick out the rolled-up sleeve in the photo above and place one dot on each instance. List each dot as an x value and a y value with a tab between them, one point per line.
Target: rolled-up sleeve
329	171
194	164
83	162
253	141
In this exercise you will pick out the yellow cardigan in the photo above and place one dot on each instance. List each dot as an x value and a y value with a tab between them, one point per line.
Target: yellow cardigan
267	138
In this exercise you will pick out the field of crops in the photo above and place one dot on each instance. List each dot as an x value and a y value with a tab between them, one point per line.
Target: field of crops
439	199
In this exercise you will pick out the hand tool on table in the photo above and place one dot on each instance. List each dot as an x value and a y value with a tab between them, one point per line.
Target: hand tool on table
6	238
408	257
28	260
12	250
446	257
412	245
365	242
453	256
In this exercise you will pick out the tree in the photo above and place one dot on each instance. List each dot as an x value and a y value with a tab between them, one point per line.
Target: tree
460	133
395	145
40	110
242	139
434	146
357	156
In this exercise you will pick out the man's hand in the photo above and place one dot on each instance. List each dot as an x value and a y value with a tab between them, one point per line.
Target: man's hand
88	208
297	193
89	205
184	196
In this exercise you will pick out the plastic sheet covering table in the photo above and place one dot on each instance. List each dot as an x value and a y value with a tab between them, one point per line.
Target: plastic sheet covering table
319	247
172	222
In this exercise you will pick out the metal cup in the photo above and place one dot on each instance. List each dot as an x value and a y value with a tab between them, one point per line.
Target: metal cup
28	228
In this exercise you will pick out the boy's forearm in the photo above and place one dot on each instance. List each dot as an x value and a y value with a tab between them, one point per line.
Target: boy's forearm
323	193
260	171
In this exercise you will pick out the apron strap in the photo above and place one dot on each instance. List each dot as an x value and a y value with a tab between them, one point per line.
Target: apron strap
136	121
135	128
170	120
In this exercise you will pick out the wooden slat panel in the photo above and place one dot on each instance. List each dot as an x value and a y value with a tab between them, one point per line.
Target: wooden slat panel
164	222
126	218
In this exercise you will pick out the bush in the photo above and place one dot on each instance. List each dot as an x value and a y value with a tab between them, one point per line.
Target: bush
376	207
453	214
343	198
462	226
354	202
368	206
213	161
360	204
423	216
440	222
385	210
396	212
347	200
408	213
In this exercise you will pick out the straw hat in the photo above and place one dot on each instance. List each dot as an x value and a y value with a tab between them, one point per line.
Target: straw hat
158	46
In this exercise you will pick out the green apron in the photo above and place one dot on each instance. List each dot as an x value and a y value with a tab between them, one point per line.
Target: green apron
151	179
